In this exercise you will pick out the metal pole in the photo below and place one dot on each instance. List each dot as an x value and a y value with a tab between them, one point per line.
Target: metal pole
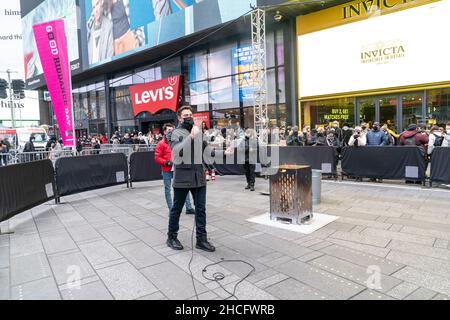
11	98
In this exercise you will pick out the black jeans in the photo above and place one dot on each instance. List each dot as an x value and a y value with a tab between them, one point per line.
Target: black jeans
250	173
179	197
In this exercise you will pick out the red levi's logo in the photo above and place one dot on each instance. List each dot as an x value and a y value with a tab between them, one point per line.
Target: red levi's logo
155	96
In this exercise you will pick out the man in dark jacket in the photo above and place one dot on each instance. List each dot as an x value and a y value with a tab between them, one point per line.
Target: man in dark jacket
163	157
249	146
376	137
294	139
186	143
412	137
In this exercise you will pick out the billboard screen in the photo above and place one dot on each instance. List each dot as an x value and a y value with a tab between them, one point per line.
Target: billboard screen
116	28
45	11
405	48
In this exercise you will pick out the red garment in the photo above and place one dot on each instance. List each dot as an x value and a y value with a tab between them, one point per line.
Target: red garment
104	140
162	154
421	139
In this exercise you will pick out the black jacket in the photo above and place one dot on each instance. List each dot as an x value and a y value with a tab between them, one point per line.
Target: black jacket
189	172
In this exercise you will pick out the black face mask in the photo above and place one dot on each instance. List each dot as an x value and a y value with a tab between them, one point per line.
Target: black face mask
188	123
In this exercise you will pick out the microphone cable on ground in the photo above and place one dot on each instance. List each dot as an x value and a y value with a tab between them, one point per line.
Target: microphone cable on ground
217	276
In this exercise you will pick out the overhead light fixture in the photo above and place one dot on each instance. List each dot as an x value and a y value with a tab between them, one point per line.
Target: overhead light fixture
278	16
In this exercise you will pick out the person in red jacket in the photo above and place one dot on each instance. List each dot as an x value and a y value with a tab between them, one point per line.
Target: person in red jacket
163	157
414	137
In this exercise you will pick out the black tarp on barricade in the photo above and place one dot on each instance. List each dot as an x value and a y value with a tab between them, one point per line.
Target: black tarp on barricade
78	174
143	167
24	186
227	165
318	157
387	162
440	165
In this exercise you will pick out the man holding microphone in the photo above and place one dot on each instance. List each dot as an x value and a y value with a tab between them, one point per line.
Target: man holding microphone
187	145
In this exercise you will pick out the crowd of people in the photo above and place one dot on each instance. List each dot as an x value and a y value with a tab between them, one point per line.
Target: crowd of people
363	135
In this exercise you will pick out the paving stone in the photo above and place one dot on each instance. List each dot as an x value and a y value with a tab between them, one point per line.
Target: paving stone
362	259
48	224
154	296
116	234
233	227
4	257
396	227
291	289
363	238
244	291
424	279
4	241
258	276
444	235
151	236
25	244
43	289
358	229
311	256
433	265
140	254
371	295
263	284
28	268
4	284
274	263
352	272
90	291
321	245
418	249
176	287
408	222
99	252
210	295
288	248
57	241
84	233
270	257
321	280
402	290
422	294
70	267
131	223
308	242
125	282
441	243
245	247
425	240
365	223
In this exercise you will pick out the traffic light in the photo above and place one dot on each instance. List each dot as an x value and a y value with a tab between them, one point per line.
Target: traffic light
19	88
3	86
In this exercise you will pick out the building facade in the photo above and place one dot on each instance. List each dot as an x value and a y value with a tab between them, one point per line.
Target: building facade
367	61
206	42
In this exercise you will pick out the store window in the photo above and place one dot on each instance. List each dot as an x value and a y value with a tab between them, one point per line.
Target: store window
220	61
438	107
323	112
229	118
223	93
197	66
412	110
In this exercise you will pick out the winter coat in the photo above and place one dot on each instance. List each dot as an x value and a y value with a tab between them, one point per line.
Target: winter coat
163	153
362	140
421	140
294	140
376	138
432	139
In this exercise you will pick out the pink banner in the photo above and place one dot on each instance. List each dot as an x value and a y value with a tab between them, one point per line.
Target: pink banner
52	47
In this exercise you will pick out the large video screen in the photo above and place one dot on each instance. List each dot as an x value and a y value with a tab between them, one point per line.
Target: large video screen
116	28
409	47
49	10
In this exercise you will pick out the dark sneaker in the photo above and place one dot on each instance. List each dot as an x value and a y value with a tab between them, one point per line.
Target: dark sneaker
190	211
247	187
205	245
252	188
174	243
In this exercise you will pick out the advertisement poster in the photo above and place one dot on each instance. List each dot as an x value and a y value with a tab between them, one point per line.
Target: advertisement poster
52	48
201	117
155	96
49	10
242	66
122	27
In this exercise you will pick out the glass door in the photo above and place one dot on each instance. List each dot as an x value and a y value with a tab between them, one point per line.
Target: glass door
367	110
388	111
412	110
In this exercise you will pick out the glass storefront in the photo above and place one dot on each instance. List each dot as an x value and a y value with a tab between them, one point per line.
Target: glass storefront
398	111
217	80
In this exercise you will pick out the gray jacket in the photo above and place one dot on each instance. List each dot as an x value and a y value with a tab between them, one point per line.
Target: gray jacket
188	172
106	41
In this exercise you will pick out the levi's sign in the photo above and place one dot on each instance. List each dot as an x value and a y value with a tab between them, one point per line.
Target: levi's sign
155	96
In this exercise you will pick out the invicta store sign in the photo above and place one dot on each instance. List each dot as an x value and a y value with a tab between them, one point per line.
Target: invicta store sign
362	8
383	52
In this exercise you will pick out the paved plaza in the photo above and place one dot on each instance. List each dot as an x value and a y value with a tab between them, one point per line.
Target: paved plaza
390	242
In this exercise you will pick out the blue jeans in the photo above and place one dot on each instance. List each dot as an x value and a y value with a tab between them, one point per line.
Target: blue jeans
167	178
199	195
